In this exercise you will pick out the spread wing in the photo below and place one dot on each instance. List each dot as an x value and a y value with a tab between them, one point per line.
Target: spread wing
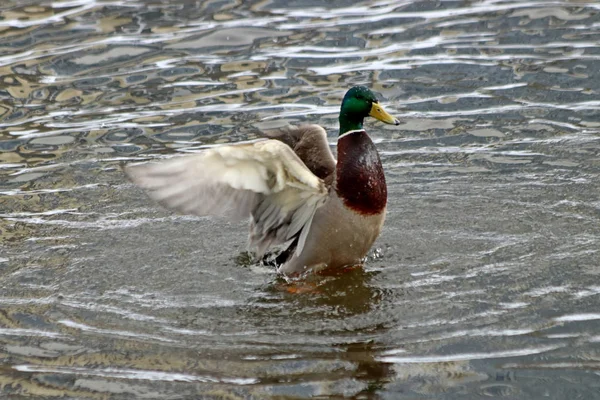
265	180
309	142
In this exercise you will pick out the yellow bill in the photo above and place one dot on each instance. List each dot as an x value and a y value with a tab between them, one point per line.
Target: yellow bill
379	113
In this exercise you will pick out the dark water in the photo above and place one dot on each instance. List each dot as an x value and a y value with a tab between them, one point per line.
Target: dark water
484	283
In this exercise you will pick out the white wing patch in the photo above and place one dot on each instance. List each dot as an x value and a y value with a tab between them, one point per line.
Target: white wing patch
265	180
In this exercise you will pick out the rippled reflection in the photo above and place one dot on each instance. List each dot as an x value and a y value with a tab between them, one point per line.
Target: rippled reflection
484	282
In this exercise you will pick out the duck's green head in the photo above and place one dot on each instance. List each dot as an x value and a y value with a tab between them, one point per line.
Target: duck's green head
359	103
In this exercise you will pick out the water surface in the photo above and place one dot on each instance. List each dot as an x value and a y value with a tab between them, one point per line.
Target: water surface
483	283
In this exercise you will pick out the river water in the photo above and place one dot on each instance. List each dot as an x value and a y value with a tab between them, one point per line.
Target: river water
484	282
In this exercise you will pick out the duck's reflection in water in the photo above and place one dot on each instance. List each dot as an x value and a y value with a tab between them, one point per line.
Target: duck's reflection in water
333	308
341	294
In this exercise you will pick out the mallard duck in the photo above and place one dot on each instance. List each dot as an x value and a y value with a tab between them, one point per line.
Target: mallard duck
291	186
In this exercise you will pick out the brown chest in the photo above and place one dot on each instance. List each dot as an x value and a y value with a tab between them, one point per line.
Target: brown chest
360	181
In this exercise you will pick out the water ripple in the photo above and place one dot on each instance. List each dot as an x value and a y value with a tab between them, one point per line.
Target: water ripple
134	374
490	245
469	356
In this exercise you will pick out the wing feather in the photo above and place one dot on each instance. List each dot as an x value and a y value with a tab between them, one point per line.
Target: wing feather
265	180
309	142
